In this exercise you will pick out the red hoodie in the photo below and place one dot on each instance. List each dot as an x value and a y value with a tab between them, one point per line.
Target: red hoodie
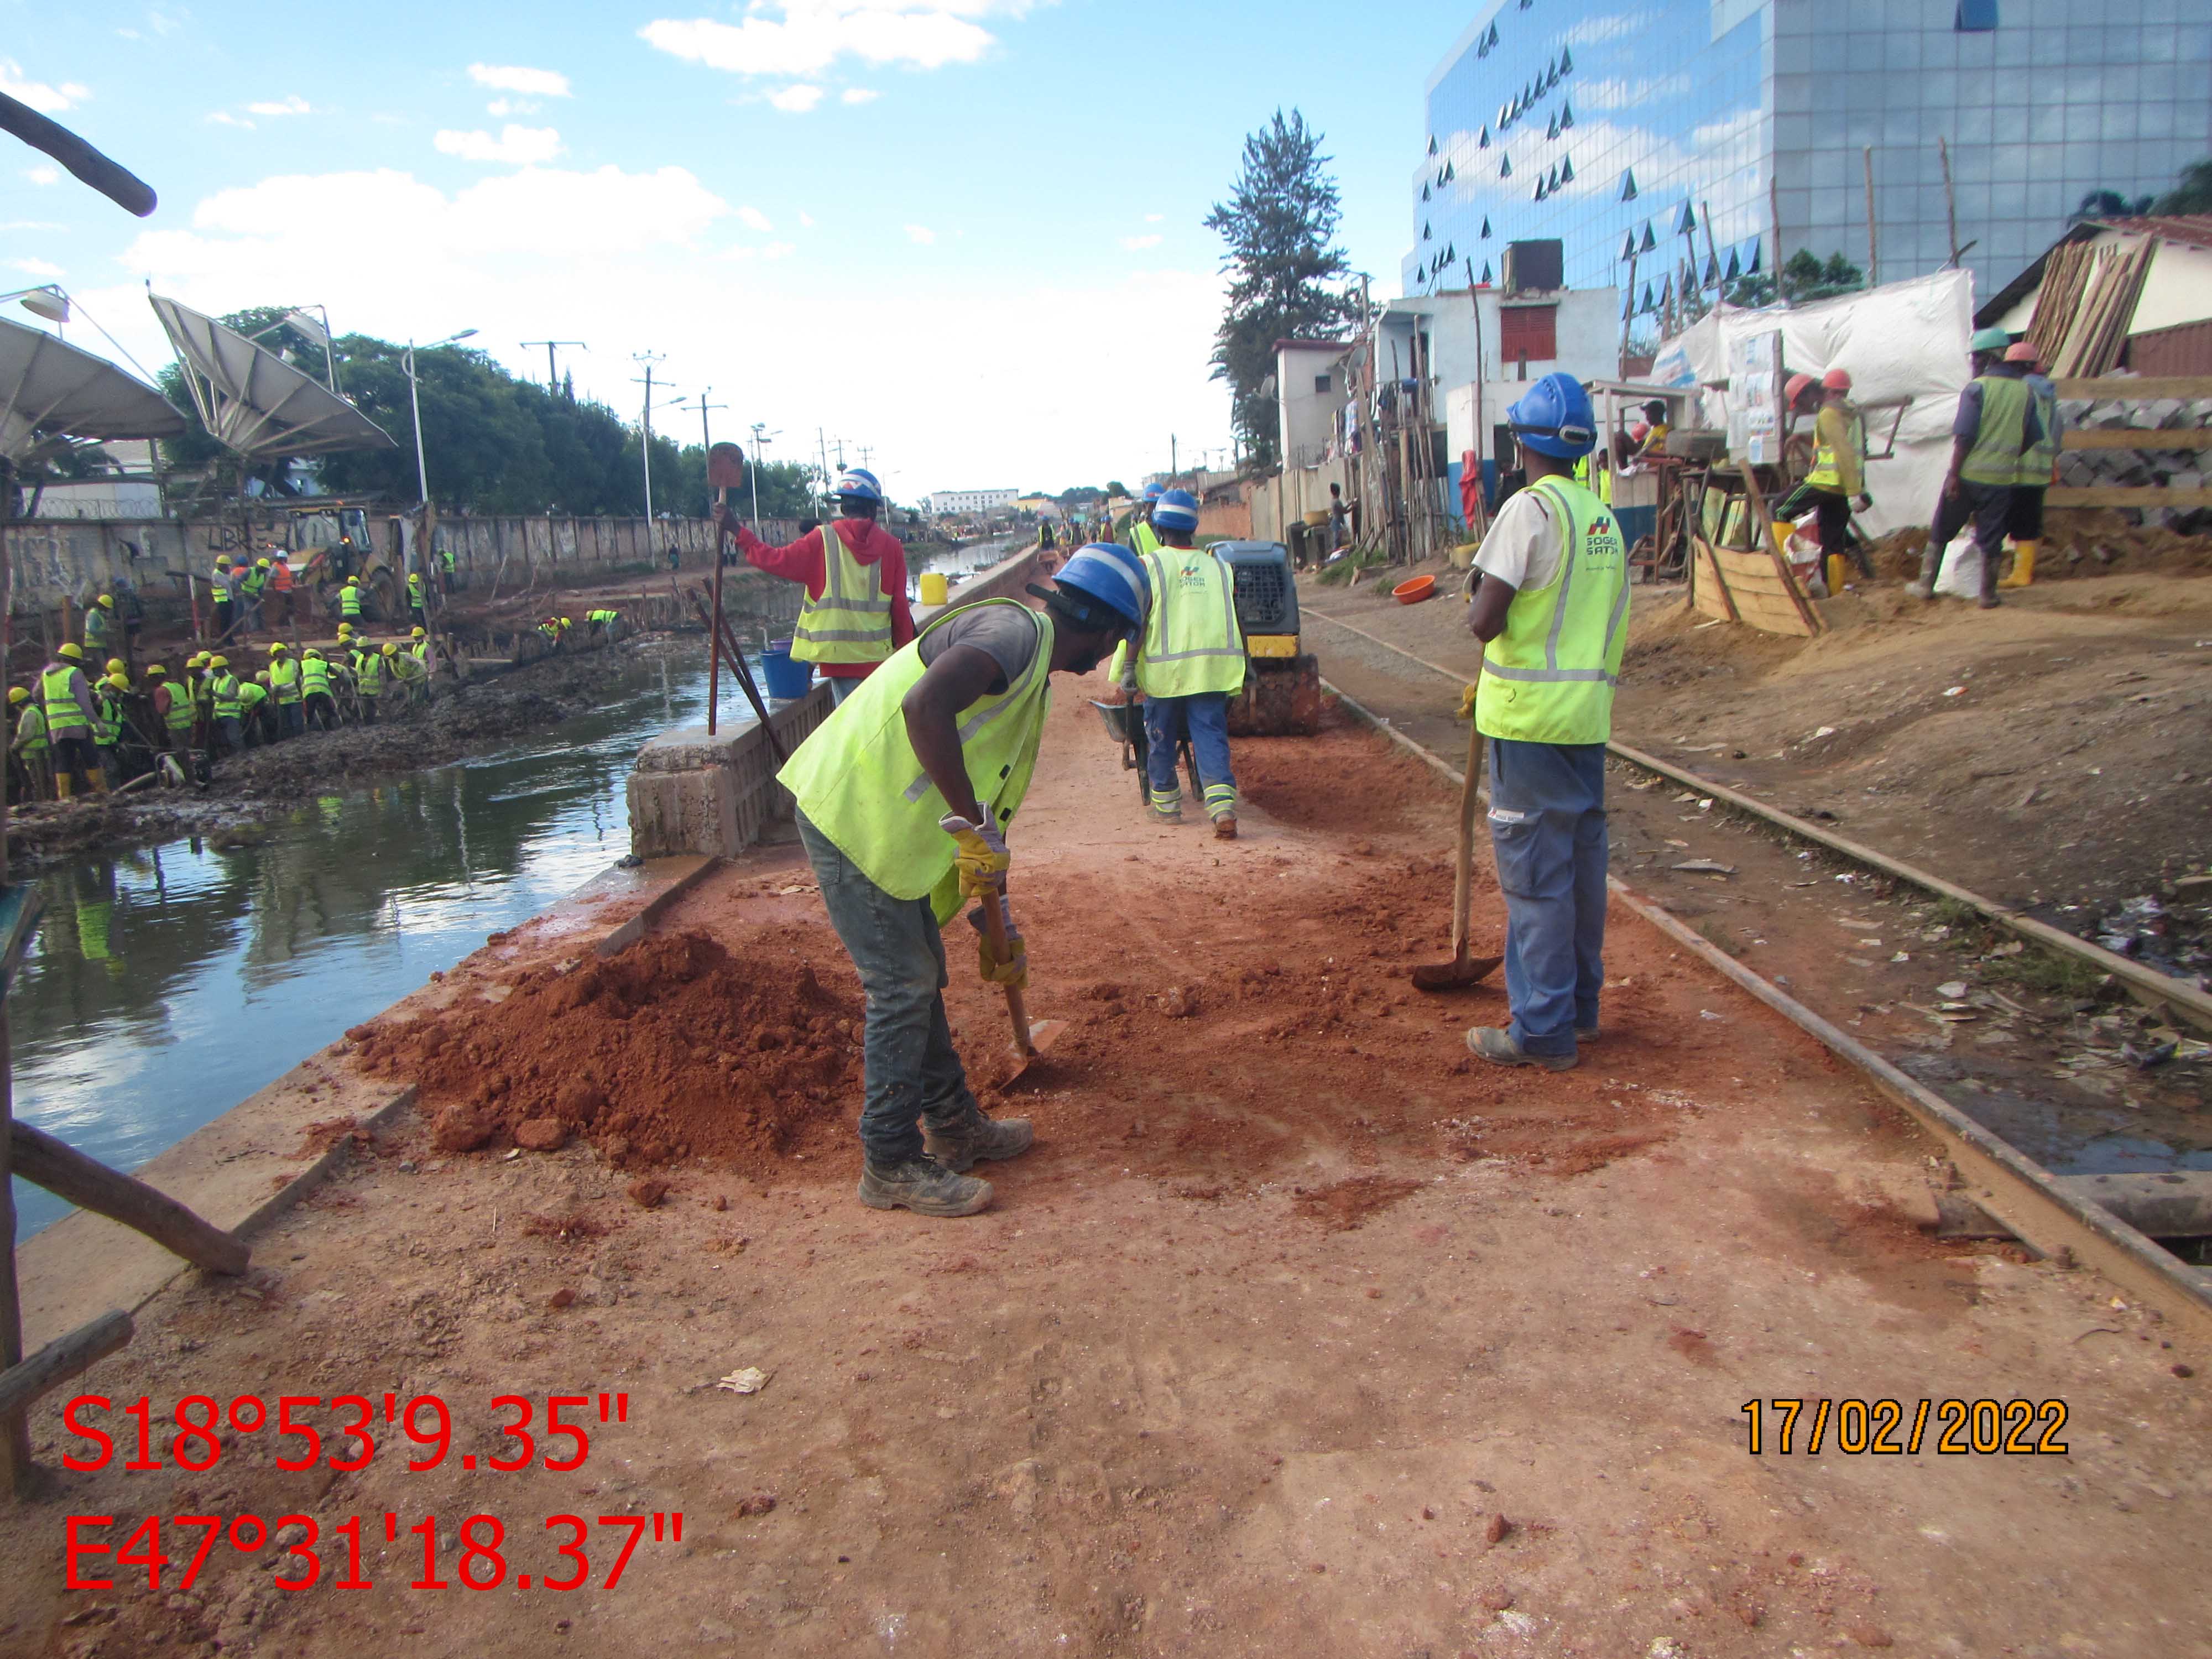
801	562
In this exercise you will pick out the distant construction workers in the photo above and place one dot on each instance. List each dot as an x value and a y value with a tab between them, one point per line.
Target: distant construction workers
855	613
280	586
1994	432
173	708
253	725
368	681
2039	465
109	722
601	624
26	746
408	678
1190	662
223	589
415	596
284	687
350	601
251	587
555	629
72	716
1551	609
905	797
1837	478
319	708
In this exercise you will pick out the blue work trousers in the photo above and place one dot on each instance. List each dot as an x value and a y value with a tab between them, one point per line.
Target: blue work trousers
913	1071
1547	832
1205	717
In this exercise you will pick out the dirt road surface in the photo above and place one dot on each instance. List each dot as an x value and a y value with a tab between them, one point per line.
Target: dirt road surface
1295	1333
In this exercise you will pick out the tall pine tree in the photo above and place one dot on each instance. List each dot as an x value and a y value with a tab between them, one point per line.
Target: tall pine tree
1280	224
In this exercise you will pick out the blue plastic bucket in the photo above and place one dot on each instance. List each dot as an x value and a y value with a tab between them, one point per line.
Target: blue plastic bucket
786	677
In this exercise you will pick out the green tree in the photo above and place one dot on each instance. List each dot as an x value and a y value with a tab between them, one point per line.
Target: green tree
2109	205
1279	223
1806	277
1115	487
2194	193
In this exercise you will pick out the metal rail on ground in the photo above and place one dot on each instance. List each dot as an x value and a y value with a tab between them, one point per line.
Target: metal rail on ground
2010	1186
2180	996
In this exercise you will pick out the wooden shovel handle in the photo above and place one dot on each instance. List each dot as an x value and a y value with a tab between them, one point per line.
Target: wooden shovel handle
995	929
1463	870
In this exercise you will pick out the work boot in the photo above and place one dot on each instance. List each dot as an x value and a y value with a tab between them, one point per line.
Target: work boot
1498	1047
1225	827
65	785
1990	600
975	1137
2023	566
924	1186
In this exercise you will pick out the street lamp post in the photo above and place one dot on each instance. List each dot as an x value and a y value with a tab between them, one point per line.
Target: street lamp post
645	432
761	438
415	407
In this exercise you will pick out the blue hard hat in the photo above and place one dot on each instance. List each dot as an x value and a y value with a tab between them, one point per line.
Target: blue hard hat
1151	492
1553	417
1112	575
859	481
1993	340
1176	510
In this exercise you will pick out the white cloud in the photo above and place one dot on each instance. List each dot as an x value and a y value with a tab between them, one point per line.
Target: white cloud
808	36
921	234
42	96
33	224
806	222
1154	218
506	106
1611	27
1615	93
778	251
520	146
512	77
1139	244
39	268
859	95
796	100
43	175
223	118
291	105
753	219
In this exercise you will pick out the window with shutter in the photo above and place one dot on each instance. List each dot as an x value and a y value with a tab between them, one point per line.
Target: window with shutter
1528	333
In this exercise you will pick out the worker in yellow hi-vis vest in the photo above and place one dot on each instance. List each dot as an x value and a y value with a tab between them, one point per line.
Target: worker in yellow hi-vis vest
1551	609
1996	427
856	613
1190	663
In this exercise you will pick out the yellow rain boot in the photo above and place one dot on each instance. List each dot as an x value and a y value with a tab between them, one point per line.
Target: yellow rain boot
65	785
2023	565
99	783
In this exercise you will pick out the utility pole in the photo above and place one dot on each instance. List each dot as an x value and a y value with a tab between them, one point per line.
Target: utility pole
822	451
706	438
645	429
552	374
1174	466
866	451
761	440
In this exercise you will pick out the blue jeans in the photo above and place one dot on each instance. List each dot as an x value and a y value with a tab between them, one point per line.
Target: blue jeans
912	1071
1547	832
1205	718
841	688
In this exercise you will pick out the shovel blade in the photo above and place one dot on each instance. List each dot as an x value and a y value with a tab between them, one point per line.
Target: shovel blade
1043	1033
725	467
1455	976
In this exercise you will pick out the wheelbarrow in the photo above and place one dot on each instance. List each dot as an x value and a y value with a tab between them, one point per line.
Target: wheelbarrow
1125	724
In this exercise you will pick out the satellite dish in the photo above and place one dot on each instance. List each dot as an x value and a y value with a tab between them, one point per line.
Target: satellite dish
50	392
252	401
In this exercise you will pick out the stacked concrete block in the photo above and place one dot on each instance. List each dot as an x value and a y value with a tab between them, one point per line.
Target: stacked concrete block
2135	468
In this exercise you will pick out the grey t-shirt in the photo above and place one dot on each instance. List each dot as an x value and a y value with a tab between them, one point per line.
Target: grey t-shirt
1006	636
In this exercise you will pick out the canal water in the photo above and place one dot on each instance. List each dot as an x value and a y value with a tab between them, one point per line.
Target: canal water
167	984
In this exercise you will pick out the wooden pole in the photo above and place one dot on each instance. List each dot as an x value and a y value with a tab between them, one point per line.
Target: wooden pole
61	1359
1479	524
714	622
89	1184
1873	251
1712	250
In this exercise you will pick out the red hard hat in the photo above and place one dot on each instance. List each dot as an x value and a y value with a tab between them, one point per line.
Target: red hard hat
1836	380
1795	388
2020	352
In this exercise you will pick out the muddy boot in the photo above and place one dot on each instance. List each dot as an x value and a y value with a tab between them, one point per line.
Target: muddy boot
1225	827
959	1146
1498	1047
1167	809
1990	600
924	1186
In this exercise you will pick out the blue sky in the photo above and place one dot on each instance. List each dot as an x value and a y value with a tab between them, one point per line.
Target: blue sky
965	233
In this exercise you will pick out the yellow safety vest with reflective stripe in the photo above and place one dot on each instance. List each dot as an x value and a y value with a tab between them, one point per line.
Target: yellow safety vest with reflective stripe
859	782
65	716
225	687
178	715
1549	677
1193	645
852	620
2036	461
284	680
369	670
315	678
415	588
109	725
349	603
1994	457
252	694
31	730
1827	471
1143	538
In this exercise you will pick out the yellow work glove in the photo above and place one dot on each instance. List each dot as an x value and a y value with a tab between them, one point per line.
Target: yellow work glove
1014	969
1467	703
982	859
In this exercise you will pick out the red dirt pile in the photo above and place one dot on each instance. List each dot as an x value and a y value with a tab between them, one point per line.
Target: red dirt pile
671	1049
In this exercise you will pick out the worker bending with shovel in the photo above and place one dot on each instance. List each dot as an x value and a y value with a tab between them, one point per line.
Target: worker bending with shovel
905	794
1552	610
1190	663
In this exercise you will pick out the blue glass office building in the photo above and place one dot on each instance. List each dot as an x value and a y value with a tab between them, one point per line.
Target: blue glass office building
1696	139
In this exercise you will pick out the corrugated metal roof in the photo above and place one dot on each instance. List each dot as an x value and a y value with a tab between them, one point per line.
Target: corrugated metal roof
2194	228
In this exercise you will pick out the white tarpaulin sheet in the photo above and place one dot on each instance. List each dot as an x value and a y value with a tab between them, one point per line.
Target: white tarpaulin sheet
1901	341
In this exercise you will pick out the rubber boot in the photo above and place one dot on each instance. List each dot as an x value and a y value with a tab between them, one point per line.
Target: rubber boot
2023	565
99	783
1990	600
65	785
